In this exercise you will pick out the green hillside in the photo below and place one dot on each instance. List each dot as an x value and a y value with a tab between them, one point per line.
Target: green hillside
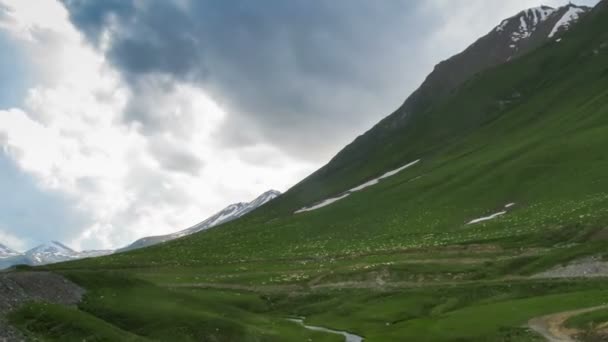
398	260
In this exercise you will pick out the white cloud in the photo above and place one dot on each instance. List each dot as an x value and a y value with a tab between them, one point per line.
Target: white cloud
12	241
75	134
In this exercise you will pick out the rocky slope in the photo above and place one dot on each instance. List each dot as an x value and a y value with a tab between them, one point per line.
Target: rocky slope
17	288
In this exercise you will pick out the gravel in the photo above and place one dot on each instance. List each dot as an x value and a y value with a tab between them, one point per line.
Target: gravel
17	288
582	268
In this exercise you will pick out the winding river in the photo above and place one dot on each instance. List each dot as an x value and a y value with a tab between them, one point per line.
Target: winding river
348	337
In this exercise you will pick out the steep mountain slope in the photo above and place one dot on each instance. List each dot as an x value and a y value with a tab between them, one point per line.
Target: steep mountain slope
227	214
381	147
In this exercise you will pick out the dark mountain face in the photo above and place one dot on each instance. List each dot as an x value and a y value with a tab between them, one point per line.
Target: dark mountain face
512	38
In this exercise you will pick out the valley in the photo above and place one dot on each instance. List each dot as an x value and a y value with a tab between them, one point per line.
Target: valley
495	215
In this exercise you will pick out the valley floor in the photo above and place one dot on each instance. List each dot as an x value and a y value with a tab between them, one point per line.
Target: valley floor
454	293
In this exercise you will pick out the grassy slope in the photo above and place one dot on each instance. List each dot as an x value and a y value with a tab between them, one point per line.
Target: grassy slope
588	320
533	132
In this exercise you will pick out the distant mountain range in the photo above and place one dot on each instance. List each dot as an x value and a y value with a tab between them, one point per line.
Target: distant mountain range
227	214
55	251
47	253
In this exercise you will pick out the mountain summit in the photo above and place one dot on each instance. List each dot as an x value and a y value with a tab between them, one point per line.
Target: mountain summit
53	251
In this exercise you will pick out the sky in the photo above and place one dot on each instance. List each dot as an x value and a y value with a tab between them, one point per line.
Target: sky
128	118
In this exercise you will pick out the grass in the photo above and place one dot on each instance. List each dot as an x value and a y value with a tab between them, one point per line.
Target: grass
588	320
50	322
474	312
397	260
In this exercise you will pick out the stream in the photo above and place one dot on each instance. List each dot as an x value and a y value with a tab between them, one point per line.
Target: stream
348	337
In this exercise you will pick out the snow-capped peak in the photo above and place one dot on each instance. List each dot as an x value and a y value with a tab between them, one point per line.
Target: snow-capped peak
264	198
227	214
53	251
572	14
539	14
527	21
53	246
234	211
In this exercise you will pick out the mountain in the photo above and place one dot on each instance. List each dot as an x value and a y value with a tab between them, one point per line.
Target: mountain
391	141
50	252
512	38
227	214
54	251
44	254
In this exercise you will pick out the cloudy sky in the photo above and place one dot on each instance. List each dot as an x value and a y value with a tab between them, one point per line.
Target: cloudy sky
126	118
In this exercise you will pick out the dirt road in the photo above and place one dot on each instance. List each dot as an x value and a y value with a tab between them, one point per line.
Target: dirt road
552	328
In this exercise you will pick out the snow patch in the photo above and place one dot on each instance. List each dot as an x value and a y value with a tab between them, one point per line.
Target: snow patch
386	175
529	20
502	25
324	203
523	26
487	218
493	216
357	188
365	185
540	14
396	171
566	20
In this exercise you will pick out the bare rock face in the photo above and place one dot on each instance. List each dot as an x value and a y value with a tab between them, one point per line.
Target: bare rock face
18	288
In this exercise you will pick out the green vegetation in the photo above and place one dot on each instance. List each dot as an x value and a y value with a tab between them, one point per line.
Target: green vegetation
58	323
396	261
589	320
118	307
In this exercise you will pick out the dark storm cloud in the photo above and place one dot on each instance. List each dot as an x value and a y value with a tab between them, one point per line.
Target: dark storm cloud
92	17
302	75
173	157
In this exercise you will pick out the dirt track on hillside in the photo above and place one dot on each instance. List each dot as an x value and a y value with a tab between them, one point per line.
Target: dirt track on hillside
552	328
